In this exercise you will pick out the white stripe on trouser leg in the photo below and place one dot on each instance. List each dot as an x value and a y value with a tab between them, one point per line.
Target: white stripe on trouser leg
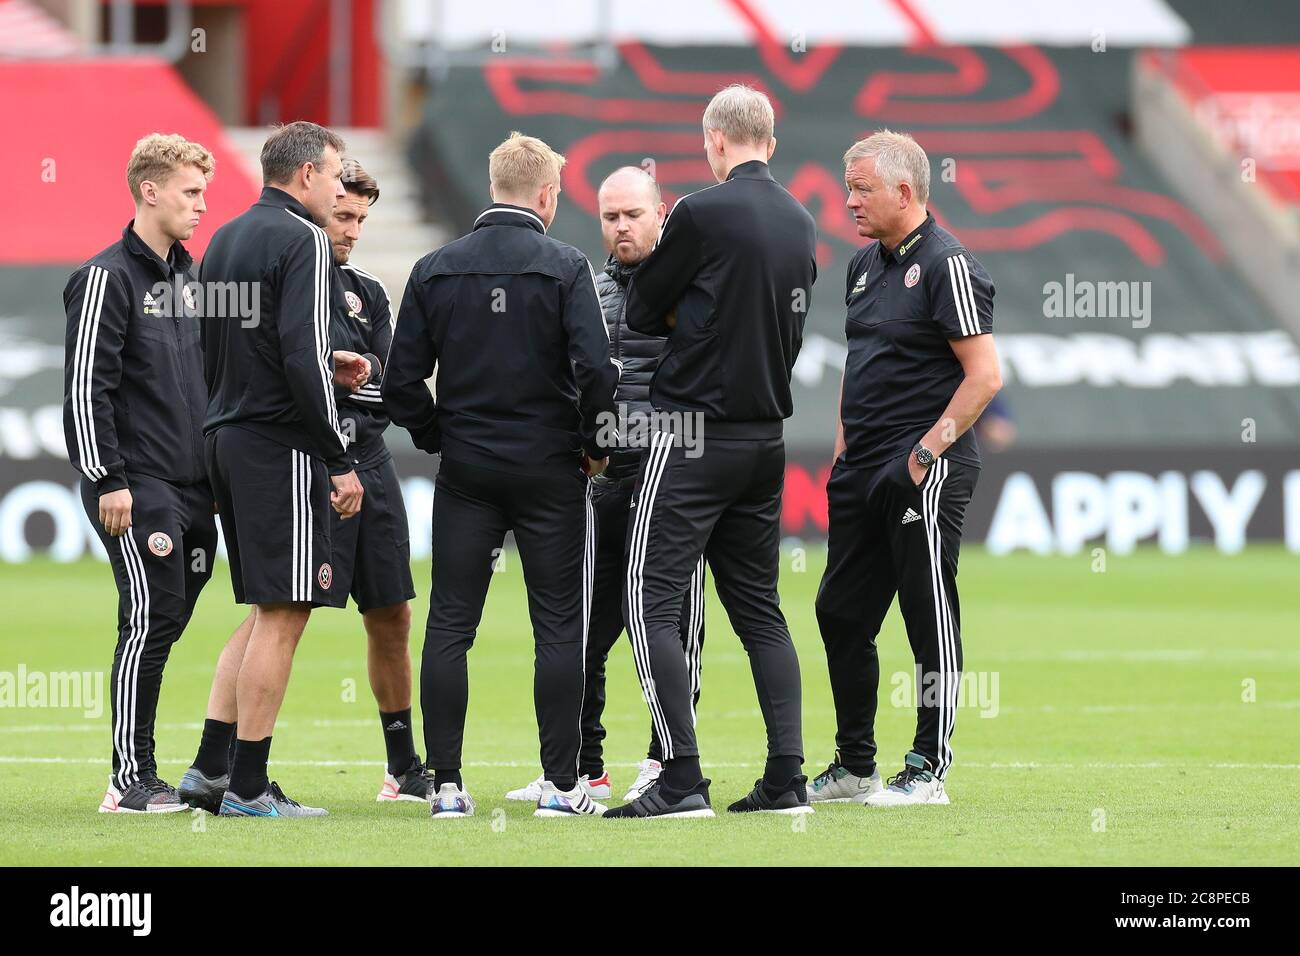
658	456
660	447
128	671
120	743
295	574
947	646
694	622
588	569
140	644
954	669
944	625
310	576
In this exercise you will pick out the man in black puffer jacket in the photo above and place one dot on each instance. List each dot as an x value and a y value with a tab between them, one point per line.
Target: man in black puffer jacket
631	215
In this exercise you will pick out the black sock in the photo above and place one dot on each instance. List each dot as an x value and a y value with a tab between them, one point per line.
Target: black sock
780	771
398	740
564	783
447	776
682	774
213	758
248	772
590	772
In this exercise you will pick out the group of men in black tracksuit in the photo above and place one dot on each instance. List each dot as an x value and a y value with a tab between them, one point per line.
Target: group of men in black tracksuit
186	397
629	435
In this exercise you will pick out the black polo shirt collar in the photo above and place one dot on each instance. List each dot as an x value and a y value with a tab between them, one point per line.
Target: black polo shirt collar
504	214
914	239
178	260
754	169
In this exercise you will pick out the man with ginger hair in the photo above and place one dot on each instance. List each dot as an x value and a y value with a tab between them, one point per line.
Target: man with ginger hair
510	319
133	343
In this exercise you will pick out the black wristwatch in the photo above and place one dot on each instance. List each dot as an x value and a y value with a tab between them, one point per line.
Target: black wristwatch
924	457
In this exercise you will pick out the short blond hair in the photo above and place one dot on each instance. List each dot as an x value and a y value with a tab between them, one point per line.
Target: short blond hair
159	155
742	114
522	165
899	159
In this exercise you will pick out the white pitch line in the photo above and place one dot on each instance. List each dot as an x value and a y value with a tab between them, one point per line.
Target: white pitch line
99	725
997	765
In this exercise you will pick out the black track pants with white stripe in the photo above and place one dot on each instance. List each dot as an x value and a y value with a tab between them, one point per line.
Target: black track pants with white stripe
554	530
612	506
889	537
726	505
160	565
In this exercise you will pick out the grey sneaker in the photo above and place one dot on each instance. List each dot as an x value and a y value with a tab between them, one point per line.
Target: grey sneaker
146	795
836	784
271	803
199	790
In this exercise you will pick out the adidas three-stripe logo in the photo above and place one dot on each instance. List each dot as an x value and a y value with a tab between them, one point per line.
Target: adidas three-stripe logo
910	516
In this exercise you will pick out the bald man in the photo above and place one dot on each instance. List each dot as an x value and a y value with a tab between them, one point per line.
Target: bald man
632	212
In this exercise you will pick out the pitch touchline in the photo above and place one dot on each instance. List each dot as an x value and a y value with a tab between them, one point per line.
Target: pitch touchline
97	726
1014	765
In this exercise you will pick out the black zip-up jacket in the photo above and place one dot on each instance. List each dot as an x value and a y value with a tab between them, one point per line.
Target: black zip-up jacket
511	319
274	374
133	393
638	356
363	323
737	260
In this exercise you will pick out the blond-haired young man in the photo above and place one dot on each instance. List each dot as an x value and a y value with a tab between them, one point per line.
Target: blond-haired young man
133	343
511	320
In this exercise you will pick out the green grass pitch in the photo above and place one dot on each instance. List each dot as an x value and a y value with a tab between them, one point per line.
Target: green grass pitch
1149	714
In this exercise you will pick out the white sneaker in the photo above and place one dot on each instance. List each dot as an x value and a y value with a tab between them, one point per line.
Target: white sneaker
915	785
598	789
451	802
836	784
648	772
573	803
531	793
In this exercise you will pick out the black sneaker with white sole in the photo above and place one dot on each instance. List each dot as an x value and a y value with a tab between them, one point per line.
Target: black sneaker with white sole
414	783
659	802
791	799
147	795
